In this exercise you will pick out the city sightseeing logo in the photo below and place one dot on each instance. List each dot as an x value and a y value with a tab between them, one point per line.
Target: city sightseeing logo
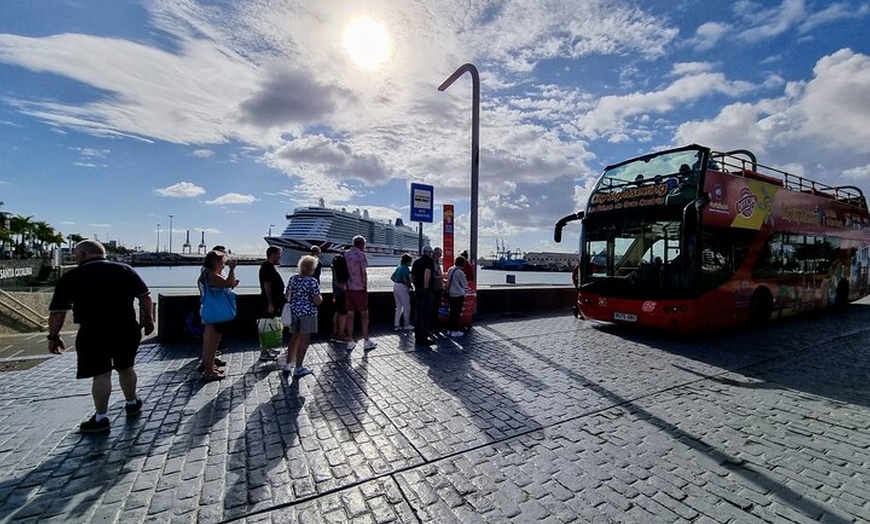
746	203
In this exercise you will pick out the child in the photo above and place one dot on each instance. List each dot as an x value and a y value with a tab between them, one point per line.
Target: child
303	298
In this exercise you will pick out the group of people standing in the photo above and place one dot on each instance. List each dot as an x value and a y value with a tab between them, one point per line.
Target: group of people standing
101	294
425	278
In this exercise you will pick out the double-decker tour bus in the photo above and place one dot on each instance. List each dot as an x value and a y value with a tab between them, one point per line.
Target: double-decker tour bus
692	239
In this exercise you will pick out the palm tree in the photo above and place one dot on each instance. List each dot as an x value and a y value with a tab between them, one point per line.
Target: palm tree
44	234
74	239
5	233
22	226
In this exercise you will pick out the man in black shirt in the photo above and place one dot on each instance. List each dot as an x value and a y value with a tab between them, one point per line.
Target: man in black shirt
423	274
100	294
315	252
271	293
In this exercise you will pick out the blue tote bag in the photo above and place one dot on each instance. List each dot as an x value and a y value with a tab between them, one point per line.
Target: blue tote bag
217	304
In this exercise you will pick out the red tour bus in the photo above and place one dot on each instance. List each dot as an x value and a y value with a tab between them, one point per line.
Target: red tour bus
693	239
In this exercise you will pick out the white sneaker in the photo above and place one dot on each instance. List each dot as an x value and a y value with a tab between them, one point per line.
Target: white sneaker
368	345
351	345
288	368
456	334
397	328
409	328
302	371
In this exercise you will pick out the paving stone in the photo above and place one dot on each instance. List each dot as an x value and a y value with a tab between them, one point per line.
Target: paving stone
544	419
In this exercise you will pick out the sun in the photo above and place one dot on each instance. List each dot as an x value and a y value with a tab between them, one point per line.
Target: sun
367	42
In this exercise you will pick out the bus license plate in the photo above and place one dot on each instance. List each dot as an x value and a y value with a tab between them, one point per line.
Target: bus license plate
624	317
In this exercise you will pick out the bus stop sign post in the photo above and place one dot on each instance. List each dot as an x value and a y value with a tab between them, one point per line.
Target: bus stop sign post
422	203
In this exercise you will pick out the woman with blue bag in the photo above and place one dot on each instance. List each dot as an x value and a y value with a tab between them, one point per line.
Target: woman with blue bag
217	307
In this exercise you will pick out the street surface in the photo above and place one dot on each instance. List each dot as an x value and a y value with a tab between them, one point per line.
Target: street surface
539	419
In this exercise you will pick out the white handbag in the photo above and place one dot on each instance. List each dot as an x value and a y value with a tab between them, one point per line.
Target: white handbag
286	315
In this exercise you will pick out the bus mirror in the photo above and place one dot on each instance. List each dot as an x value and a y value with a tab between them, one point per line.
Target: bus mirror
557	233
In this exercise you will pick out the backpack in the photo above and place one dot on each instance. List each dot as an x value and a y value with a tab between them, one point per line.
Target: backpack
340	273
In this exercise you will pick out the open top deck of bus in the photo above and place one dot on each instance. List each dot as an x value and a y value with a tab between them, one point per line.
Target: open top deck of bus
694	239
743	163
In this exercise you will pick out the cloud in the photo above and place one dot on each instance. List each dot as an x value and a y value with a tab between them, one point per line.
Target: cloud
203	153
769	22
612	113
231	199
709	34
325	166
817	127
835	104
564	30
833	13
181	190
291	96
141	91
858	173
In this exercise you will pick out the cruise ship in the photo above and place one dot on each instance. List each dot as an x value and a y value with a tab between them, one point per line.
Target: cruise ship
333	230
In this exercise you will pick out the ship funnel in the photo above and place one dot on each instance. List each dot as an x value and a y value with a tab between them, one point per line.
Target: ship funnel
399	222
366	214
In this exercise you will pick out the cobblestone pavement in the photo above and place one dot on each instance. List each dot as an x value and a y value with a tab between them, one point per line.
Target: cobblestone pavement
546	419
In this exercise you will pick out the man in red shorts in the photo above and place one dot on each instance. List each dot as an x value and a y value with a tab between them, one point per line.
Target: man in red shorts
100	294
357	296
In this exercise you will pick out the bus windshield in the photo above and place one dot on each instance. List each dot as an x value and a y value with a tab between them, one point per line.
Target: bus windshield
635	252
651	169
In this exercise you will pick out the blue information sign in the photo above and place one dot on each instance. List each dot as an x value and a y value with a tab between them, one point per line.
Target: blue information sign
422	198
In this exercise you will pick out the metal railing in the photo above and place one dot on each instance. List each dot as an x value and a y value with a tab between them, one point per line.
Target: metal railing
10	304
748	167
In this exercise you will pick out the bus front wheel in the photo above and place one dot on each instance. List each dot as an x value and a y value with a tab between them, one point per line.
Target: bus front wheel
760	307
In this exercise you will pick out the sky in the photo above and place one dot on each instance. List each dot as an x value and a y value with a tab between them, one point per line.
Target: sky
226	115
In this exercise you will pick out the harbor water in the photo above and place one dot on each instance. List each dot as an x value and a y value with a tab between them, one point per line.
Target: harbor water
181	280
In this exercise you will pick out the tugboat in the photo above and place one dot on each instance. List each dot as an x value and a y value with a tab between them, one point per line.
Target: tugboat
505	259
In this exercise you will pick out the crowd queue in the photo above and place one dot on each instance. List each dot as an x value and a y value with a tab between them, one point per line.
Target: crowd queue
101	294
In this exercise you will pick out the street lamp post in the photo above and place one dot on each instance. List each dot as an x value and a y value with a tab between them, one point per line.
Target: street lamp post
170	233
158	239
475	150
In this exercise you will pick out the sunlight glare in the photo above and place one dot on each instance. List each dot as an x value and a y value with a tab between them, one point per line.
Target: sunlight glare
367	42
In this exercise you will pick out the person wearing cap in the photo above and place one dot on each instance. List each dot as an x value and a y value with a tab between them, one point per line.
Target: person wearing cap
100	294
423	274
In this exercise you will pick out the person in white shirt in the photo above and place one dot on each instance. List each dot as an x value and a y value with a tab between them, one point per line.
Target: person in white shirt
457	283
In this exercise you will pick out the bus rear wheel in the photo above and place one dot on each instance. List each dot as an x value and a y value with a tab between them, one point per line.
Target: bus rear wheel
760	307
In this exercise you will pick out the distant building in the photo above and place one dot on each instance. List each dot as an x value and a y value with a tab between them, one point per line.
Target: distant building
551	261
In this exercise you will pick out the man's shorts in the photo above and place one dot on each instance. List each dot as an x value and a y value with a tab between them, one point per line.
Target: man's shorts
357	300
304	325
338	299
100	350
221	327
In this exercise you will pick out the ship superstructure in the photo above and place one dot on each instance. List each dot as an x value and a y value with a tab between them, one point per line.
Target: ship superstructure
332	230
